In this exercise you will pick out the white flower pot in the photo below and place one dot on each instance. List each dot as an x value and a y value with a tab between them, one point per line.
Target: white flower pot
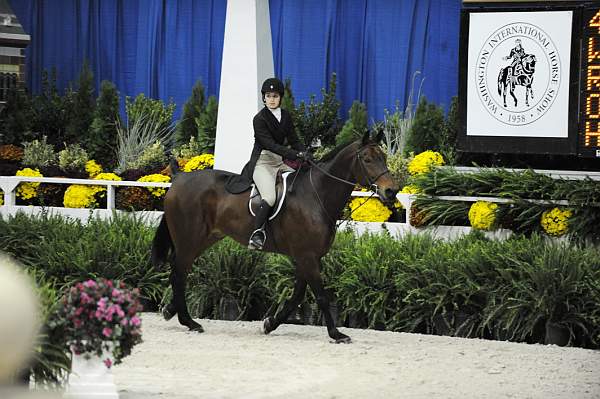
90	378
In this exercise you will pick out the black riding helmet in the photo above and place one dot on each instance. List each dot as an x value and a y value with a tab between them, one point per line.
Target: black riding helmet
273	85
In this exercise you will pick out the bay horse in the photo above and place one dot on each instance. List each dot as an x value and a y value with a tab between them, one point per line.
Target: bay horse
522	75
198	212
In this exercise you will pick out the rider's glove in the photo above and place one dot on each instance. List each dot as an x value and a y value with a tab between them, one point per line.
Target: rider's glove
304	155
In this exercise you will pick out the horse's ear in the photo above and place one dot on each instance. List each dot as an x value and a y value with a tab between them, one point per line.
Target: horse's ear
379	131
366	138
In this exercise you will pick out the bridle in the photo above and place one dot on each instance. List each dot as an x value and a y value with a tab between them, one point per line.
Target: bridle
371	183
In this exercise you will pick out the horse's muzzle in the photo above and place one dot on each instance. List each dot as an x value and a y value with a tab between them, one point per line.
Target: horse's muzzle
388	196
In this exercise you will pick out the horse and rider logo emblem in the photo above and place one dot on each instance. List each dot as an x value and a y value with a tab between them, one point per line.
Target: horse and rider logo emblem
518	73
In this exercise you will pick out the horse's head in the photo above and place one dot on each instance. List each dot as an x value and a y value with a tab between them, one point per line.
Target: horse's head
529	62
370	168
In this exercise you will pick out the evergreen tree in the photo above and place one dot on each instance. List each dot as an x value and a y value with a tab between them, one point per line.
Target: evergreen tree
102	137
355	126
16	118
81	112
186	128
426	131
206	124
287	102
319	121
450	133
50	115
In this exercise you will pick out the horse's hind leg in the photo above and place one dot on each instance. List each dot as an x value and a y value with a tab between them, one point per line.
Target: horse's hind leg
271	323
181	266
311	270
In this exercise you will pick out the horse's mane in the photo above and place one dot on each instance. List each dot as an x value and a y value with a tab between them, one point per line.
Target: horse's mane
331	154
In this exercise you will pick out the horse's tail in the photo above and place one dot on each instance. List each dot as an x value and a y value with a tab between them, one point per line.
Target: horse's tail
162	245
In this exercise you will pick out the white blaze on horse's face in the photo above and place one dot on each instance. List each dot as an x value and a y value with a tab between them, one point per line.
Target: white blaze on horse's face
272	100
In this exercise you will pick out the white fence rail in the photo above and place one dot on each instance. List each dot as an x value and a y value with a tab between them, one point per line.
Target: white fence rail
8	185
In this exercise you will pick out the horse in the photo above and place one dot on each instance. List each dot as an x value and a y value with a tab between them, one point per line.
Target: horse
198	212
522	75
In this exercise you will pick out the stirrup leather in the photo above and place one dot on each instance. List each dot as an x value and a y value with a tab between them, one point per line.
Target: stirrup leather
257	239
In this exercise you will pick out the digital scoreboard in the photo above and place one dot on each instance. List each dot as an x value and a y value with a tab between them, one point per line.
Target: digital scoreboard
530	78
589	142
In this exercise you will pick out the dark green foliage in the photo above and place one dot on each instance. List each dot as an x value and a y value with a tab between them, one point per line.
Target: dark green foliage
319	120
149	109
192	109
522	187
288	101
81	111
206	124
450	133
51	111
101	140
356	125
426	131
16	118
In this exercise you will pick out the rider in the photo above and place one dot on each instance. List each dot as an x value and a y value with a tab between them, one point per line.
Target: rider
516	53
274	140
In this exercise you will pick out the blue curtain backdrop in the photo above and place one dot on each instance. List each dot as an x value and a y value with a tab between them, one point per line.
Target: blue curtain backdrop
162	47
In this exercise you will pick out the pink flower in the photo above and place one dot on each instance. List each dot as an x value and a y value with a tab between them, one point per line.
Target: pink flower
90	284
78	311
135	321
109	283
107	362
85	298
115	293
124	322
106	332
77	323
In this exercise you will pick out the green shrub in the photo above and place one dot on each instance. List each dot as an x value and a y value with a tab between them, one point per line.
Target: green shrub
151	158
426	131
81	111
193	107
16	116
50	110
450	131
288	101
142	108
206	123
72	158
101	139
38	153
318	122
189	150
356	125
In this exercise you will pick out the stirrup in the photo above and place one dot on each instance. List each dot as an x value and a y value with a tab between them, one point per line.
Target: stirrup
257	239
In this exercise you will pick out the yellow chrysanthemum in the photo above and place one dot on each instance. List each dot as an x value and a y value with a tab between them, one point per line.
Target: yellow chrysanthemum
1	198
200	162
93	168
104	176
28	190
555	221
423	162
410	189
156	191
482	215
81	196
369	210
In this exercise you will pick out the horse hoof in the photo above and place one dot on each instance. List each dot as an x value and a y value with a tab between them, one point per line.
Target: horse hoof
267	326
197	328
168	312
344	340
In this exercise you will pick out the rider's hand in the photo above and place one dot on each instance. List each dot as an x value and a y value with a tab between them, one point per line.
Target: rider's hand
304	155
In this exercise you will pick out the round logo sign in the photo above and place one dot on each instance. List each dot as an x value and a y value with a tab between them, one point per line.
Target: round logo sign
518	73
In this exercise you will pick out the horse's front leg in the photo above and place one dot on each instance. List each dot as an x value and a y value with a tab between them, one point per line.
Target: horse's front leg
313	277
271	323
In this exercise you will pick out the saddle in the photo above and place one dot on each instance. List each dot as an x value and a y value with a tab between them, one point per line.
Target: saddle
281	186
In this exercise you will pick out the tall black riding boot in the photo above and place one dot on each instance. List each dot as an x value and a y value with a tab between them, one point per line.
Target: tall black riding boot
258	237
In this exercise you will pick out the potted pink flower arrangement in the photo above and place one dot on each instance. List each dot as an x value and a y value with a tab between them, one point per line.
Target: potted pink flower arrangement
101	318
